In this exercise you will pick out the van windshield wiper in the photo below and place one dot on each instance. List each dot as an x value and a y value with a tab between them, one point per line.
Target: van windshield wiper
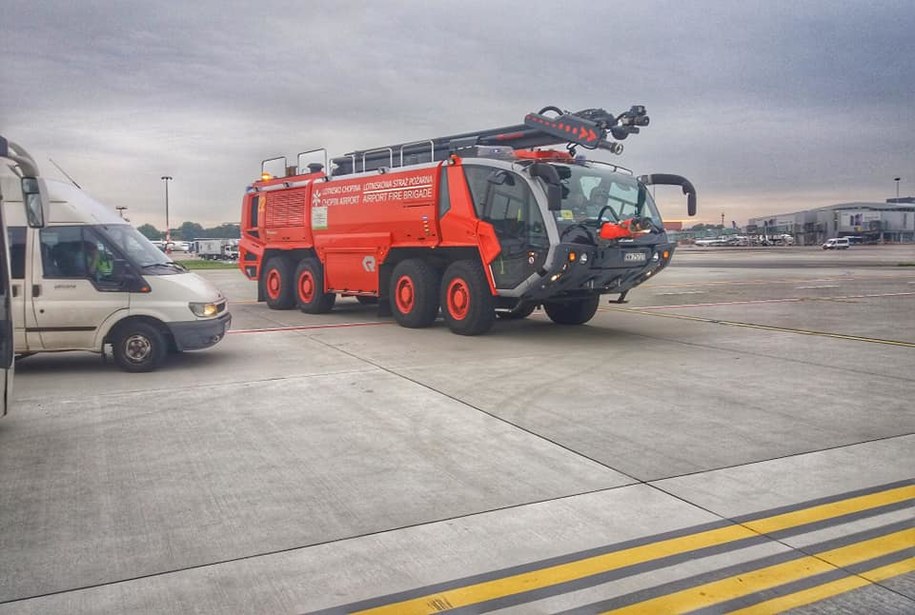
170	265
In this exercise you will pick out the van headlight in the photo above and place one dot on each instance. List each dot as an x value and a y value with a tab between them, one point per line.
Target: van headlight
204	310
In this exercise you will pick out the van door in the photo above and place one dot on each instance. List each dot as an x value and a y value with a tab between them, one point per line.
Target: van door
77	289
6	325
16	236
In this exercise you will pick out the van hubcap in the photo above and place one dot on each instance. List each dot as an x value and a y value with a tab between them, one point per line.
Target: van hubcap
137	348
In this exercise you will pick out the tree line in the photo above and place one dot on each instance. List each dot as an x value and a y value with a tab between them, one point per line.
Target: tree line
189	231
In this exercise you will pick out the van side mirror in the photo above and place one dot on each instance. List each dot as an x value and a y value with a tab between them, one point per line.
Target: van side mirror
550	177
34	202
665	179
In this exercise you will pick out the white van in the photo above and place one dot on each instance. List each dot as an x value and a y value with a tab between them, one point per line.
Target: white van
88	280
837	243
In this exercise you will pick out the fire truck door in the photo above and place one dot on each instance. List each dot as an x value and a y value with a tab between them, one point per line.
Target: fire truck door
513	211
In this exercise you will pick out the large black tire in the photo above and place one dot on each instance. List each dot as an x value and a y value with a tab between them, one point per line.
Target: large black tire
573	312
138	346
277	283
467	303
518	313
309	288
413	294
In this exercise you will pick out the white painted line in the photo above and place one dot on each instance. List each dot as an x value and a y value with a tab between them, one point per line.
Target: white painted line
820	286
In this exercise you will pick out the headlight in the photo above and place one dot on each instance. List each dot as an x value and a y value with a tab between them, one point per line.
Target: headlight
204	310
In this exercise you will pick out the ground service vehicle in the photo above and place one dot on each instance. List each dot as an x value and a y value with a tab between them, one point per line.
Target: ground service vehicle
216	249
35	213
88	280
837	243
479	224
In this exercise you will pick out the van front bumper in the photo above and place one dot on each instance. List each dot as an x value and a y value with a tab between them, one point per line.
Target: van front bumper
198	334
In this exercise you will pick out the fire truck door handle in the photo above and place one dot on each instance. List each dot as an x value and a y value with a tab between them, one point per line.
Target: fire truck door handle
36	290
15	290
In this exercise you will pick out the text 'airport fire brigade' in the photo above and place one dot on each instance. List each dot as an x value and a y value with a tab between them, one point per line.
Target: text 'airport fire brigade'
478	224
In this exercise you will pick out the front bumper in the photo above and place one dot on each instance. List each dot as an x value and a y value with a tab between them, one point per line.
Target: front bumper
198	334
613	268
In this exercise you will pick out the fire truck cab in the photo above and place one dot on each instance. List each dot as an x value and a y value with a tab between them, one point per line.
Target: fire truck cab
478	225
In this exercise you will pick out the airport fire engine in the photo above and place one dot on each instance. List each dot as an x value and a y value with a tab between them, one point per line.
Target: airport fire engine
478	225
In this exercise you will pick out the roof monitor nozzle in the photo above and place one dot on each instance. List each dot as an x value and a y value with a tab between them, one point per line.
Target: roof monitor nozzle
315	167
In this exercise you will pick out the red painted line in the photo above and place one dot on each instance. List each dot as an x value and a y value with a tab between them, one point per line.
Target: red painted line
788	300
310	327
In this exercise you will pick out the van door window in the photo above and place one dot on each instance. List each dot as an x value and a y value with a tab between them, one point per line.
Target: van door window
16	235
74	252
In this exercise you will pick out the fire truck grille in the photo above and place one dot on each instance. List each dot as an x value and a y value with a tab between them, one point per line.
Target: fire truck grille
285	208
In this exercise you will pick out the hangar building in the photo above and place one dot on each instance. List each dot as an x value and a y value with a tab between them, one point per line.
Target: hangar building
890	222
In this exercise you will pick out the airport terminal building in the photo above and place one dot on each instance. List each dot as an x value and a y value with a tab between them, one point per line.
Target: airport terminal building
890	222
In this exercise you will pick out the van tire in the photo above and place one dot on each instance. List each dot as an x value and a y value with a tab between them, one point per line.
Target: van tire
277	283
414	294
466	300
573	312
309	288
139	347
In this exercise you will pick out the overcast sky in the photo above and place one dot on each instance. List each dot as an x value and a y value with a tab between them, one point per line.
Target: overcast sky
767	106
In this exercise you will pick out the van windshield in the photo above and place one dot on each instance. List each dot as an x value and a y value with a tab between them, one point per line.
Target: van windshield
137	249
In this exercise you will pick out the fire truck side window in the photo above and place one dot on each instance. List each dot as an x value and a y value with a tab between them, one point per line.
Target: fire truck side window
477	181
444	196
252	215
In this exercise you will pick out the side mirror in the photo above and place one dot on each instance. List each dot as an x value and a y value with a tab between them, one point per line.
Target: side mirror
34	202
665	179
500	177
550	177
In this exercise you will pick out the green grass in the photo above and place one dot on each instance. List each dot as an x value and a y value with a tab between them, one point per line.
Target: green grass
193	264
905	264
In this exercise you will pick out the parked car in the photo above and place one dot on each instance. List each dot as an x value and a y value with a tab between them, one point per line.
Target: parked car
836	243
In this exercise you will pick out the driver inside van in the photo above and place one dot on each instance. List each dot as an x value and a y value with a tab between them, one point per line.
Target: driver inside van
98	264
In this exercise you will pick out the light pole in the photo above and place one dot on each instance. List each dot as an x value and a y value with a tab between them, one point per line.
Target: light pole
121	209
897	180
166	179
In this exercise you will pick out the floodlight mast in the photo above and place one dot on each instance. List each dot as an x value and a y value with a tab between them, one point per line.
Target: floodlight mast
588	128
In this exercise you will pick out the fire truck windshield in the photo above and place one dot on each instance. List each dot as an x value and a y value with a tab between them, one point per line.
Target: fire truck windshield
591	191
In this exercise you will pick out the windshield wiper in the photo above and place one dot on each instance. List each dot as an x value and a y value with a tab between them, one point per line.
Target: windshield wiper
169	264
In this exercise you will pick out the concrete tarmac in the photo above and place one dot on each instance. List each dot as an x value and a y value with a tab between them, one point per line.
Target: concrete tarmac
738	436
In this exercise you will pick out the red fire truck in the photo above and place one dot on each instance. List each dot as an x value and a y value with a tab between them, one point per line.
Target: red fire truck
478	225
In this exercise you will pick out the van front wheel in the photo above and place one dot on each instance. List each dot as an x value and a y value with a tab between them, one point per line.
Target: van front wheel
139	347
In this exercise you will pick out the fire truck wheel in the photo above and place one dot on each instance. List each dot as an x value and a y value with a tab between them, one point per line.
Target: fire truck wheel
467	302
309	288
572	312
277	281
414	294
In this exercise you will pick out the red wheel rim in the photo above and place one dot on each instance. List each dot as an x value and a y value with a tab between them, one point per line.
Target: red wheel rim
274	284
458	299
404	295
306	287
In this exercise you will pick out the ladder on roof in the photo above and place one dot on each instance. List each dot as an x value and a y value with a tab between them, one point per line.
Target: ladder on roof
588	128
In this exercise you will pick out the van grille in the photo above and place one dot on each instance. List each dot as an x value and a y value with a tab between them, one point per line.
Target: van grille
286	208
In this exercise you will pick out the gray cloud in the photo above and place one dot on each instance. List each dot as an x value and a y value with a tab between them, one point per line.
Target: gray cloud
766	106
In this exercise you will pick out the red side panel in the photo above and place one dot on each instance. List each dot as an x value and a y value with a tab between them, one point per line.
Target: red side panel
284	214
461	227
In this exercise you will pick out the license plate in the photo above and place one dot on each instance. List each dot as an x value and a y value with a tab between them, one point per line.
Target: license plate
634	257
